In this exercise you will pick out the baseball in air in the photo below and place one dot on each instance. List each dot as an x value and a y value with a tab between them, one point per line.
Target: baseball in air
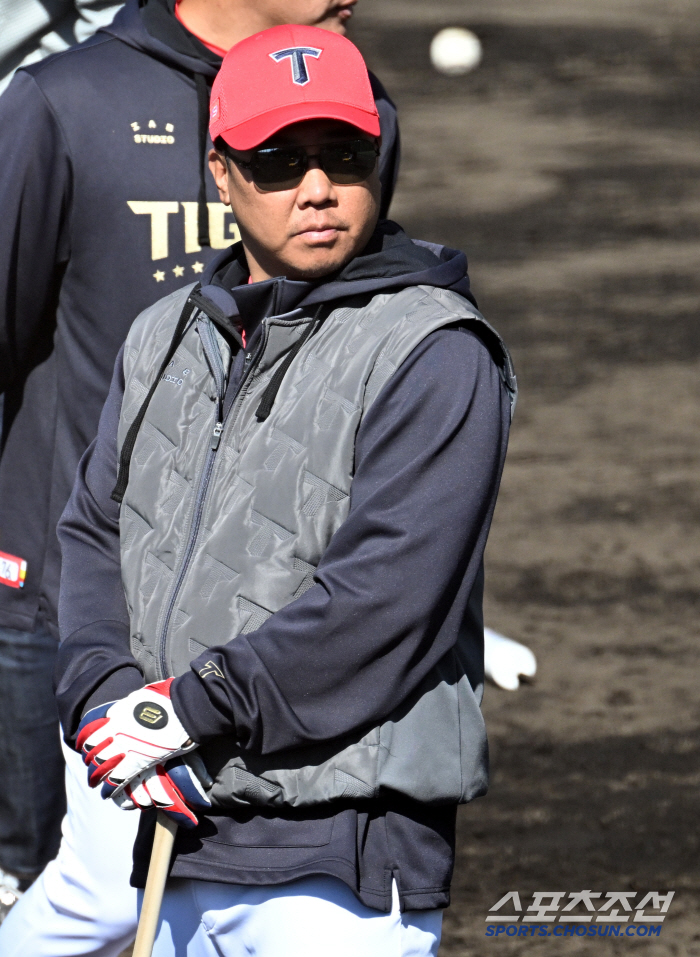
454	51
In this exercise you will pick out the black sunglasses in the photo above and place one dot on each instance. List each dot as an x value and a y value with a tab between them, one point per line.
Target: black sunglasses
284	167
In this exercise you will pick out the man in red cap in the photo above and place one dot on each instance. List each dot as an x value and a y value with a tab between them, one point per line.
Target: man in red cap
272	556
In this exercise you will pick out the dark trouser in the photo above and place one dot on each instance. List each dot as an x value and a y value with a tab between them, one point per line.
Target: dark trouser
32	791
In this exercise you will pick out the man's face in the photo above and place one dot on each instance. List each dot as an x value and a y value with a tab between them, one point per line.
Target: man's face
308	231
311	13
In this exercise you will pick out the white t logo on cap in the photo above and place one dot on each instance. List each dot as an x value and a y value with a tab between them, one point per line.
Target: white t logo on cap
297	57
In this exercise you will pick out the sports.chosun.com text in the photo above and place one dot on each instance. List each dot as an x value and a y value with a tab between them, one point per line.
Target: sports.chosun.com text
572	930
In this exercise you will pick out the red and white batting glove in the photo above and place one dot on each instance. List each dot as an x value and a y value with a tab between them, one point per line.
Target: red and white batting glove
177	789
123	738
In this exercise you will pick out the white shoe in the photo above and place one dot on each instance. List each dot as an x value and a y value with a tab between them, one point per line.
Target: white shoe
11	890
506	660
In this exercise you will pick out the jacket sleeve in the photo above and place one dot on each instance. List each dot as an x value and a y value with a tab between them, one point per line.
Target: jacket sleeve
94	663
392	584
35	196
390	156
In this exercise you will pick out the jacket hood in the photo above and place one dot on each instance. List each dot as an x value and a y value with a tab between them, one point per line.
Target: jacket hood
391	260
152	28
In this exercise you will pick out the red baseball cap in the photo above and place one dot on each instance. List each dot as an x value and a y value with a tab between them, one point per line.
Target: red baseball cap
287	74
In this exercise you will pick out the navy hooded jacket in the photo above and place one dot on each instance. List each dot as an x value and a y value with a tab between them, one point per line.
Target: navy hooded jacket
103	150
429	454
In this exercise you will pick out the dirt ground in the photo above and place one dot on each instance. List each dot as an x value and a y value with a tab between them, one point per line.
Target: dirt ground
568	168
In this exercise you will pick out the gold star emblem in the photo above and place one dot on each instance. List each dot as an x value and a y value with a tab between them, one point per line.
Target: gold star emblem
159	275
198	267
179	271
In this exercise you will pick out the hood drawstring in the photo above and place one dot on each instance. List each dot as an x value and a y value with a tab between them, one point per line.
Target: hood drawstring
203	128
270	393
130	440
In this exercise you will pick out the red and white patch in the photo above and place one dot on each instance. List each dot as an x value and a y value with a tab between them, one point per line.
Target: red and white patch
13	570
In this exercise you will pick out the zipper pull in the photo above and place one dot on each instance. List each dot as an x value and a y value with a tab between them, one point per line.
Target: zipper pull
248	357
216	436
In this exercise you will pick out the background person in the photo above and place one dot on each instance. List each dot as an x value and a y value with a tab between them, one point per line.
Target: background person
304	549
31	30
107	203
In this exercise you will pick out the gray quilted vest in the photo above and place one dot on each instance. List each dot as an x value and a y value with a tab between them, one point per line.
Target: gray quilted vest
222	528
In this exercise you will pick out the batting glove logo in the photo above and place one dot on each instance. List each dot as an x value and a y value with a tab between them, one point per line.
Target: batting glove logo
150	715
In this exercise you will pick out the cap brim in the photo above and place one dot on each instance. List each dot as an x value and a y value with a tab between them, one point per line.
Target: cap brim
249	135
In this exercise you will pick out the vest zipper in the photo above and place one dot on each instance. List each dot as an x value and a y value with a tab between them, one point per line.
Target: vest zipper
213	356
216	436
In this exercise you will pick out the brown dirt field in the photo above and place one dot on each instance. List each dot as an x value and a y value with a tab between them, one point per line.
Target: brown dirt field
568	168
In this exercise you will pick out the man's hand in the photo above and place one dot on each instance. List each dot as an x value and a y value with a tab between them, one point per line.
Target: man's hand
123	738
177	789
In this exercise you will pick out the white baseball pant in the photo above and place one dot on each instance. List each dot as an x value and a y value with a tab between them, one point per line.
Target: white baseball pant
81	903
311	917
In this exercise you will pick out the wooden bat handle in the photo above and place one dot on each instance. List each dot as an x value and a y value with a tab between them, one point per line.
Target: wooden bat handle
155	885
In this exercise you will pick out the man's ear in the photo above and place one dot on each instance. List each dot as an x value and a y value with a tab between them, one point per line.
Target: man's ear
219	170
